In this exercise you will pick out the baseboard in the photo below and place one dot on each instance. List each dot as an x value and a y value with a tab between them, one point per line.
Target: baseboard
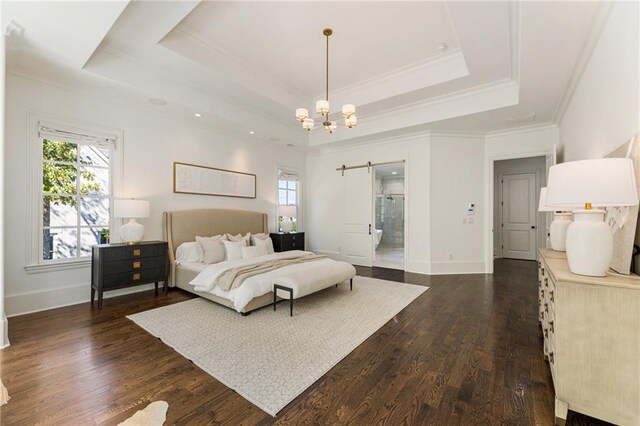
43	300
4	332
335	255
417	267
456	268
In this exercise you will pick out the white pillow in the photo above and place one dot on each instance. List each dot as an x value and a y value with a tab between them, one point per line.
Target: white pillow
233	249
253	251
263	242
240	237
189	252
212	248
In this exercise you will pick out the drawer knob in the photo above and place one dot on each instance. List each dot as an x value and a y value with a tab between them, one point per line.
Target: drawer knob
136	265
546	333
551	357
551	326
542	271
546	307
136	276
136	252
551	295
546	282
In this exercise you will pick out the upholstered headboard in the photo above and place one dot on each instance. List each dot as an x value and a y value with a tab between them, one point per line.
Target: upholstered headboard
184	225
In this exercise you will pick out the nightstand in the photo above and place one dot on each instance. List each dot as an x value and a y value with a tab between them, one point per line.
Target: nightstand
286	242
115	266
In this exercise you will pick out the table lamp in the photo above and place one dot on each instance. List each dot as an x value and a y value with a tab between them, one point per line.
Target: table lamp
605	182
131	232
288	212
561	221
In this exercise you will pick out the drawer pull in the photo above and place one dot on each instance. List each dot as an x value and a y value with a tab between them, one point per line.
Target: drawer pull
546	307
542	271
137	252
136	265
136	276
551	357
546	333
551	295
293	237
546	282
551	326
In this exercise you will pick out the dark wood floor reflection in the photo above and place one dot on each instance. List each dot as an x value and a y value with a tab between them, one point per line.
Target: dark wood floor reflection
468	352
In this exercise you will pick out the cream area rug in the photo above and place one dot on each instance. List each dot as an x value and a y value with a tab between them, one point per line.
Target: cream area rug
269	357
153	415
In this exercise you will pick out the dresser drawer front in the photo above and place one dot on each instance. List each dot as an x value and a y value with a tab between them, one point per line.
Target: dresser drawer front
133	265
120	279
134	252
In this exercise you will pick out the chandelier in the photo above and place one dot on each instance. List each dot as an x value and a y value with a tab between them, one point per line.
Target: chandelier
322	106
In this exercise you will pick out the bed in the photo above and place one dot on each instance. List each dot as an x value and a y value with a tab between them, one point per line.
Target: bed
254	292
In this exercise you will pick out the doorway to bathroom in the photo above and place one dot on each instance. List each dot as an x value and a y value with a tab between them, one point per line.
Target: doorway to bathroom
389	205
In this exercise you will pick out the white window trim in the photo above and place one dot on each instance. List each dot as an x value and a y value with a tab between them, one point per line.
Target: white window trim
299	199
34	262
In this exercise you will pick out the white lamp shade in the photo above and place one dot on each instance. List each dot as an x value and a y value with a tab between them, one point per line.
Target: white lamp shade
322	107
348	110
302	113
544	207
288	211
602	182
130	208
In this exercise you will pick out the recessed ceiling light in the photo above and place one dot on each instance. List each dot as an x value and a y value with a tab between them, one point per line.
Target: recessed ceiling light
156	101
394	173
251	132
443	46
197	114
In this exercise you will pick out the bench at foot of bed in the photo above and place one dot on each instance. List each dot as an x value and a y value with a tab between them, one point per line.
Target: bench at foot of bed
300	284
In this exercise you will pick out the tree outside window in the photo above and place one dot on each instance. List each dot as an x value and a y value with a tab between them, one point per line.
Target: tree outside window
75	198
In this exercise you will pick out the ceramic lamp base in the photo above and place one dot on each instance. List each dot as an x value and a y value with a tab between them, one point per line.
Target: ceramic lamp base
131	232
558	231
287	226
589	243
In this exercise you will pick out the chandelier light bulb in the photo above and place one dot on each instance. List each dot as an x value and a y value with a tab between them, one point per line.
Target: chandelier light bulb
351	122
302	114
331	127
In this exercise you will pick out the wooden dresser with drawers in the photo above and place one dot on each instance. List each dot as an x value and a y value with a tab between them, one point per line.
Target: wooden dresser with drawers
115	266
591	333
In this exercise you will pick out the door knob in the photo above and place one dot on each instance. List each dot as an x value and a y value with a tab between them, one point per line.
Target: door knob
533	227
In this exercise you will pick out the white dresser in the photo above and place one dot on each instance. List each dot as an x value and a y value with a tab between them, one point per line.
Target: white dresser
591	329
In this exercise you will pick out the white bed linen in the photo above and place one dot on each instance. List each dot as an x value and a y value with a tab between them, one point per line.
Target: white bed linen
254	286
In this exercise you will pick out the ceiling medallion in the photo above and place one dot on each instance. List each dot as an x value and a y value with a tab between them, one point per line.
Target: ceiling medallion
322	106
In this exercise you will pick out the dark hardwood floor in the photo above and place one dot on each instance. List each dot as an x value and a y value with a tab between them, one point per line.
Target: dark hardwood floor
468	352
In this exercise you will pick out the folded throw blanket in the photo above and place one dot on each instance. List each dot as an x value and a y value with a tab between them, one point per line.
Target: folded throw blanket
234	277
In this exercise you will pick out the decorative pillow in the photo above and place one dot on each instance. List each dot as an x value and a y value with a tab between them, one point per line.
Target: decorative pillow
263	242
233	249
240	237
189	252
253	251
212	248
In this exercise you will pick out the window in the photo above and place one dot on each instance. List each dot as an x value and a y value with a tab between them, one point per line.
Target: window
75	193
288	194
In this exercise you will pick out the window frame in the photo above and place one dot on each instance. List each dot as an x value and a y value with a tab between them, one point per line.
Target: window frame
298	191
35	262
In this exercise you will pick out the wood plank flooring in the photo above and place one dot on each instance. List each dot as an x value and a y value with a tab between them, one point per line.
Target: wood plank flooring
467	352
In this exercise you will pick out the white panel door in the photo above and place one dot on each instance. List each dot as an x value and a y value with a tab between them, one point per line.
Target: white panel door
357	243
519	216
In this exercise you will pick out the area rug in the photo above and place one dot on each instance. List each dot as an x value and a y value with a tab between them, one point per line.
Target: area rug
269	357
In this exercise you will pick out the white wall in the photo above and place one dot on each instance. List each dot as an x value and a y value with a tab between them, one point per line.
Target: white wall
152	141
457	179
4	331
604	111
326	201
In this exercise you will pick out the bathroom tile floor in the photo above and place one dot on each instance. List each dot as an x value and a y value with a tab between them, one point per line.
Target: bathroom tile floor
389	257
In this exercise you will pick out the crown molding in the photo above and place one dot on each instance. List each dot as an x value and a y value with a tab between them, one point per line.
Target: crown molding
534	128
598	22
515	18
133	101
335	147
